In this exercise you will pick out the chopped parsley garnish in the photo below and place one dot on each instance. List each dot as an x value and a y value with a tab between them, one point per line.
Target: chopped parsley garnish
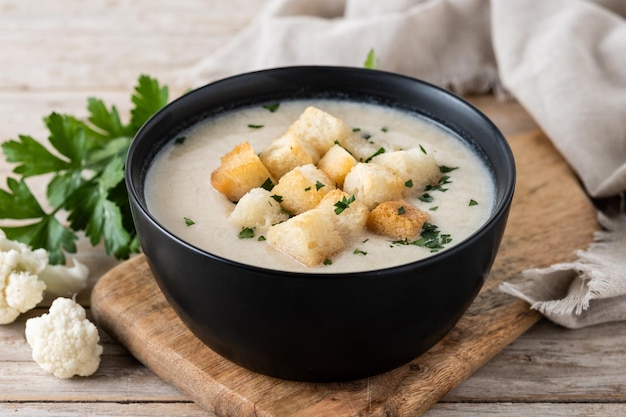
430	238
252	126
473	202
267	185
445	179
261	238
343	204
246	232
426	198
272	107
307	189
356	129
409	184
319	185
277	198
433	208
384	129
366	136
188	221
378	152
328	262
423	150
444	169
401	211
358	251
180	140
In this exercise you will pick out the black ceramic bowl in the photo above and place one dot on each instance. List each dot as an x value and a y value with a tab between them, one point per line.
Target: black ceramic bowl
320	327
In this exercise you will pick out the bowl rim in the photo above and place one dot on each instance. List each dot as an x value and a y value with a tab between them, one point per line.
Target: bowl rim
500	208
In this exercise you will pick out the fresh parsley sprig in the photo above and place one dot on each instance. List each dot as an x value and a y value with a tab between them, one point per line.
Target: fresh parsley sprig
85	161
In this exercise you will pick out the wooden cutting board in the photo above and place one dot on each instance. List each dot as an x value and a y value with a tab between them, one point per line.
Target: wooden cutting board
550	218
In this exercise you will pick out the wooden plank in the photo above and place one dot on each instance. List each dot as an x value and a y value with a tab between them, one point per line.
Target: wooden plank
127	303
553	364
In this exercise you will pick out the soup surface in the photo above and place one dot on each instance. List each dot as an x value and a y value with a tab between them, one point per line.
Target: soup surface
180	196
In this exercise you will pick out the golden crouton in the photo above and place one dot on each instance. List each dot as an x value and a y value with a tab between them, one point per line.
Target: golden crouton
319	129
302	188
373	184
286	153
257	209
309	238
336	163
348	214
240	171
397	220
416	169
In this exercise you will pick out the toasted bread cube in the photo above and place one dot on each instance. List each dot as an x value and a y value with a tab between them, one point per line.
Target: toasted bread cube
397	220
350	220
303	188
286	153
319	129
257	209
416	169
361	149
240	171
373	184
336	163
309	238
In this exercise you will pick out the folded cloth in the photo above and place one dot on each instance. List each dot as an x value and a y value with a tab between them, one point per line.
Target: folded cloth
563	60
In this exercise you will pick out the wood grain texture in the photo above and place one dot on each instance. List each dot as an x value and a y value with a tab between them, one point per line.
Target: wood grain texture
127	303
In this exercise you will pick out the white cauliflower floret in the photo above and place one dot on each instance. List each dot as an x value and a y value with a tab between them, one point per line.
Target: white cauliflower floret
64	342
25	275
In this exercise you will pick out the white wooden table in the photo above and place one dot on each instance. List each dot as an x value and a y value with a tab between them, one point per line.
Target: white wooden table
56	53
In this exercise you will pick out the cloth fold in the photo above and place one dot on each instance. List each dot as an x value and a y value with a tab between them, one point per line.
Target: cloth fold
563	60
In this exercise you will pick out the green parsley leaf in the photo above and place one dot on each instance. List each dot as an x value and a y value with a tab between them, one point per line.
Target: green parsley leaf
423	150
85	160
358	251
328	261
272	107
370	61
188	221
246	232
401	211
375	154
426	198
473	202
319	185
343	204
261	238
444	169
253	126
430	237
277	198
180	140
409	184
267	185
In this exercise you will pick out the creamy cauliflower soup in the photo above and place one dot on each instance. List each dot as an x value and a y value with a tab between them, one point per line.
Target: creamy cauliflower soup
180	195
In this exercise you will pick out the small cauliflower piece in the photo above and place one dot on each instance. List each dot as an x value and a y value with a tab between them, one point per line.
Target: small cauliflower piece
415	168
25	275
373	184
64	342
257	209
397	220
303	188
240	171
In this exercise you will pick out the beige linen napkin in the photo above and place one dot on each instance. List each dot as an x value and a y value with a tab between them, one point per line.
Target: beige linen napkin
564	60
